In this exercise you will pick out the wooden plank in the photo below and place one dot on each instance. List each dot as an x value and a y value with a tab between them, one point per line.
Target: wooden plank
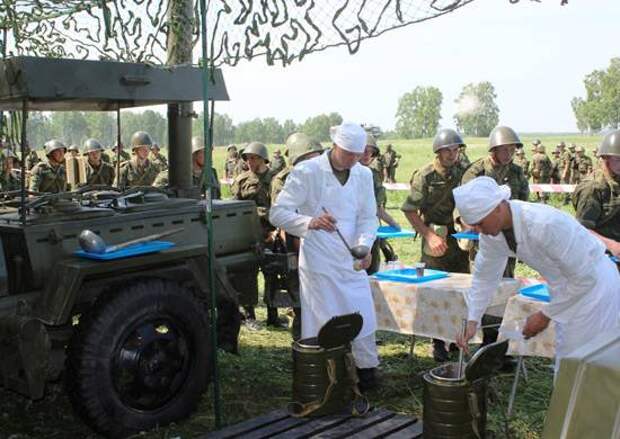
413	431
314	427
284	425
236	430
389	426
355	425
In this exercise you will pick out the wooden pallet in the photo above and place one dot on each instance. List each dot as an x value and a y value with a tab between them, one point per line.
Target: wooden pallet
378	423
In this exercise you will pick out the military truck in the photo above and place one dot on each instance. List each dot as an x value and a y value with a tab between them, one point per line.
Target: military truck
130	337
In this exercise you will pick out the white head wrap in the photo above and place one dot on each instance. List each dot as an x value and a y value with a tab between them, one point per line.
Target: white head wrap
349	136
477	198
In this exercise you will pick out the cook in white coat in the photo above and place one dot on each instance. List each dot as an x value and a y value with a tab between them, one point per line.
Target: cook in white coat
329	285
584	284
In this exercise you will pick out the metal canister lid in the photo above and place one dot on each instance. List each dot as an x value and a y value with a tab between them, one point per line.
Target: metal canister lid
340	330
486	361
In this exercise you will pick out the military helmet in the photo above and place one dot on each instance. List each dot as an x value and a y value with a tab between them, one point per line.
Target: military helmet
258	149
580	149
572	146
53	145
231	146
155	146
536	142
503	136
562	144
73	148
372	142
92	145
446	138
298	145
610	144
556	151
140	138
520	151
198	144
540	149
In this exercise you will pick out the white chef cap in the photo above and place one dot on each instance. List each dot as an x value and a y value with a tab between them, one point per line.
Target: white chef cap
477	198
349	136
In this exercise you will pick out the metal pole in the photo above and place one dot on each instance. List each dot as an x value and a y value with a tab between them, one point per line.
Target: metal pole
4	44
208	177
118	144
23	163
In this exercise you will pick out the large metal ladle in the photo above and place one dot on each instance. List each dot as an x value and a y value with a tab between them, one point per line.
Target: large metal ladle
358	251
91	242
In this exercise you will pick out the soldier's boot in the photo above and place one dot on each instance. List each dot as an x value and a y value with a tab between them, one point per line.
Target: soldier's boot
296	326
273	319
440	354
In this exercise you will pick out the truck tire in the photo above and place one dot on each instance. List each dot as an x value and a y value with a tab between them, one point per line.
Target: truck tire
140	358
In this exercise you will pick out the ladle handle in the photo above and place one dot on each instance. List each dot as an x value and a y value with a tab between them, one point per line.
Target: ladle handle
344	241
461	353
147	238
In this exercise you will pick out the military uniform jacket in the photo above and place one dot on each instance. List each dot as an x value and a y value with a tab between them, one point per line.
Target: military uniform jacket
510	174
567	165
556	173
276	164
163	180
31	160
597	204
230	166
390	159
160	161
133	175
431	192
255	187
8	182
48	178
377	182
104	174
463	159
583	165
240	168
125	156
277	183
541	168
524	163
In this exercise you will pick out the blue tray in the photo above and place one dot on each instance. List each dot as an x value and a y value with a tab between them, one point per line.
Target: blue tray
409	275
469	235
386	232
134	250
615	259
537	292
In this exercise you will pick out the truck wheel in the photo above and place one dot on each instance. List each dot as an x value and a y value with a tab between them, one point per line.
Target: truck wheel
140	358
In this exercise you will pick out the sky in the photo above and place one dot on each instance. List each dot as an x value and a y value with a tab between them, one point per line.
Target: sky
536	54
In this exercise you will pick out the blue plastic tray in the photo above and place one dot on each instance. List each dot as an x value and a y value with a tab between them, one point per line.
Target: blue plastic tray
386	232
538	292
134	250
464	235
409	275
615	259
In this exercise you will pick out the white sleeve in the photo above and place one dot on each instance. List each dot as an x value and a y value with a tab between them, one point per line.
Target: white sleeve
284	212
489	268
367	223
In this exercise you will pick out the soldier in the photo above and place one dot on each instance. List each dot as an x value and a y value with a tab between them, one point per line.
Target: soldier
430	210
565	168
241	165
556	162
123	154
139	171
463	159
231	162
277	162
8	179
583	164
597	199
390	161
97	171
535	145
158	158
74	151
369	159
541	170
50	176
255	184
523	162
32	158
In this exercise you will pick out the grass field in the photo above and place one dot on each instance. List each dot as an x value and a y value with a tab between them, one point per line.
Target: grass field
258	380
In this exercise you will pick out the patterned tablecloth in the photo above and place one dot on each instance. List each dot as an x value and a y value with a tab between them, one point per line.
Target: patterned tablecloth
518	309
432	309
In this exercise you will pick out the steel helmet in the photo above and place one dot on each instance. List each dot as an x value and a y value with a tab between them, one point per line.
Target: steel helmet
140	138
155	147
73	148
91	145
572	146
610	144
298	145
556	151
258	149
504	136
231	147
198	144
372	142
446	138
580	149
540	149
53	145
536	142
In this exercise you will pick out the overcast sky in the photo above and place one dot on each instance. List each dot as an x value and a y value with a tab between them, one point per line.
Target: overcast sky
535	54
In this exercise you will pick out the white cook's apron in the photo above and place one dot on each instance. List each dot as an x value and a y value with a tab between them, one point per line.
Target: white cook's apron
329	286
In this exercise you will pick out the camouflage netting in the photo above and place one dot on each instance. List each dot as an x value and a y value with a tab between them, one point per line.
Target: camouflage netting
135	30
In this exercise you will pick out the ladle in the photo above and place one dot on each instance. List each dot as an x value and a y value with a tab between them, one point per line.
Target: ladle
358	251
91	242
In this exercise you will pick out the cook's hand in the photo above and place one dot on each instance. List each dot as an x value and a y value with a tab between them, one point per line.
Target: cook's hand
436	243
535	324
614	248
323	222
365	263
470	331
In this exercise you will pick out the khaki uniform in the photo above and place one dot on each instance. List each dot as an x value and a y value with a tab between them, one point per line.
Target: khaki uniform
390	161
541	171
431	196
277	183
230	166
556	173
48	178
597	204
240	168
583	168
377	179
276	164
159	160
8	182
567	167
463	159
510	175
132	175
524	164
163	180
255	187
125	156
31	160
104	174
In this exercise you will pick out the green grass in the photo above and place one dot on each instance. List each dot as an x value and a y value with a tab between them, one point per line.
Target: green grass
259	379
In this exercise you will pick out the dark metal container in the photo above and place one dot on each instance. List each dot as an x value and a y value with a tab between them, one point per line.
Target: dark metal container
324	376
455	405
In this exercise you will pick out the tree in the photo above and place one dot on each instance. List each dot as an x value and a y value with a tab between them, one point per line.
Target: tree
477	112
288	128
317	127
419	112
